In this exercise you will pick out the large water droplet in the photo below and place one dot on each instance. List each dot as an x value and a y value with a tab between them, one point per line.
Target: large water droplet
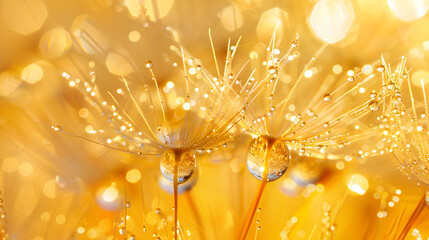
263	149
185	161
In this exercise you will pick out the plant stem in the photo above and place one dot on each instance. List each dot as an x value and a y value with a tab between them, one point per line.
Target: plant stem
251	212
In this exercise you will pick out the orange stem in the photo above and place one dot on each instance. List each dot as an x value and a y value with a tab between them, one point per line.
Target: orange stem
176	194
251	212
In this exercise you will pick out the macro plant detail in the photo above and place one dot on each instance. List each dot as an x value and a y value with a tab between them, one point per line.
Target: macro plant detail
407	132
319	127
203	119
183	119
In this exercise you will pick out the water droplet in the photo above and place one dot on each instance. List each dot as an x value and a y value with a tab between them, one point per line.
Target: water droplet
351	78
276	152
272	70
373	95
397	99
380	68
374	106
294	43
149	64
327	97
185	161
57	128
128	204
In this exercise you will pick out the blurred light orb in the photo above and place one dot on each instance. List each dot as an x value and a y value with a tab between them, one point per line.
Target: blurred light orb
60	219
337	69
24	16
276	152
305	171
110	194
80	230
331	19
134	7
45	216
231	18
32	73
186	165
26	169
158	9
55	42
358	184
107	197
408	10
10	165
418	76
95	233
134	36
133	175
50	189
187	106
340	165
118	65
289	187
367	69
272	20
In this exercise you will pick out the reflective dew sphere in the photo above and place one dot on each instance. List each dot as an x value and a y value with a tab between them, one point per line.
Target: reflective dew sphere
275	152
186	165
